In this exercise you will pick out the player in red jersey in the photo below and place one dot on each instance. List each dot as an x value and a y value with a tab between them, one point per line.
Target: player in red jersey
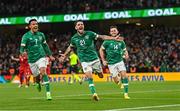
48	69
24	69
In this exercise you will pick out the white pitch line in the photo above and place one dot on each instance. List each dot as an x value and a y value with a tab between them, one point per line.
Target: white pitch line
75	95
146	107
122	99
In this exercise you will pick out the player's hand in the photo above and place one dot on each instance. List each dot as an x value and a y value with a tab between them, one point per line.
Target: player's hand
12	57
52	58
126	55
105	63
119	38
62	58
24	54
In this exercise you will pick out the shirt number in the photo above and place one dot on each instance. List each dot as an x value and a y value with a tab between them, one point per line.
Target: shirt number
115	47
82	42
36	41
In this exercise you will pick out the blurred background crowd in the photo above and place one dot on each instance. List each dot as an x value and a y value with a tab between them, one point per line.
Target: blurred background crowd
36	7
153	49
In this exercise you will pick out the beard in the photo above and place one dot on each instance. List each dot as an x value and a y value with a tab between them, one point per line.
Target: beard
114	35
35	29
81	31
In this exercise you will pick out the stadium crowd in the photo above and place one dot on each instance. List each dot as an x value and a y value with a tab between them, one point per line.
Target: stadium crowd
36	7
154	49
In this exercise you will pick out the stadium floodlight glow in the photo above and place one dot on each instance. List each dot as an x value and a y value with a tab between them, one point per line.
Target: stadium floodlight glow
152	25
93	16
138	24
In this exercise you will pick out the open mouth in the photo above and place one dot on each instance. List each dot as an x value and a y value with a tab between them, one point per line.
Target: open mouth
80	28
36	28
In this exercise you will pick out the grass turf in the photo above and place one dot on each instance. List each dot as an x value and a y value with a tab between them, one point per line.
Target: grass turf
144	96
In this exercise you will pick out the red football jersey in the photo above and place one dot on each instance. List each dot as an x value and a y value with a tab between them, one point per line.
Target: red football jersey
48	69
23	61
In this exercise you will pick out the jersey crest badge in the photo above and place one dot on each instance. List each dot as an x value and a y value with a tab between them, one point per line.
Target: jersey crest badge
86	37
40	38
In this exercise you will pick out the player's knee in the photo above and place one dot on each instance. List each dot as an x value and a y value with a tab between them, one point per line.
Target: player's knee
116	80
42	70
88	74
124	74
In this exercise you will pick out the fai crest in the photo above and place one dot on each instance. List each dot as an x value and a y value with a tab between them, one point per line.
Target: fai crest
87	37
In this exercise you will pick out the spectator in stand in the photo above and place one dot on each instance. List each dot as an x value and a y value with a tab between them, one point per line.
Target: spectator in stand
36	7
147	47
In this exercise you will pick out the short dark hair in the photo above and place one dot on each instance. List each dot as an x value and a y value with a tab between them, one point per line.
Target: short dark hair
31	21
113	26
77	22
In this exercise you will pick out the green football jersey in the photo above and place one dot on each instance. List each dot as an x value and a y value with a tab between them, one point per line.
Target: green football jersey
114	51
35	45
86	50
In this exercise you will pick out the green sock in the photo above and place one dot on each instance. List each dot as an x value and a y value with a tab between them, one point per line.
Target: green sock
46	82
91	85
125	83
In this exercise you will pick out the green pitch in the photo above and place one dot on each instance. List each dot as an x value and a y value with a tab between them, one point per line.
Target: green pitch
144	96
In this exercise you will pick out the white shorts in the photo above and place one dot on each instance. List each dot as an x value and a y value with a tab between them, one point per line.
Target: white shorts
35	67
115	69
92	66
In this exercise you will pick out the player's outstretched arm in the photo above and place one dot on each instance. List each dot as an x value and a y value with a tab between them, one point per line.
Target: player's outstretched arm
106	37
102	55
15	59
23	45
125	52
63	56
46	48
48	51
126	55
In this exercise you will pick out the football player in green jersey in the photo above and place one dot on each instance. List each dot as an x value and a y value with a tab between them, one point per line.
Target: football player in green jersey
83	41
34	43
115	52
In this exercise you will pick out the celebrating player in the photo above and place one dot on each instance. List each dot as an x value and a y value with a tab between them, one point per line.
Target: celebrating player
115	51
34	42
24	69
84	42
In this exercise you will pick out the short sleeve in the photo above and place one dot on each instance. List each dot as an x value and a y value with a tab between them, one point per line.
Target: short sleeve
123	45
43	38
23	41
23	44
104	45
72	43
94	35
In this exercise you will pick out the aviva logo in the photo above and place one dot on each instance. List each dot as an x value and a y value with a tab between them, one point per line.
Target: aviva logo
146	78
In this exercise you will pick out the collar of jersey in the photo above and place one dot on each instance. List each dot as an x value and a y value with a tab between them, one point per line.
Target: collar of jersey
32	33
82	34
